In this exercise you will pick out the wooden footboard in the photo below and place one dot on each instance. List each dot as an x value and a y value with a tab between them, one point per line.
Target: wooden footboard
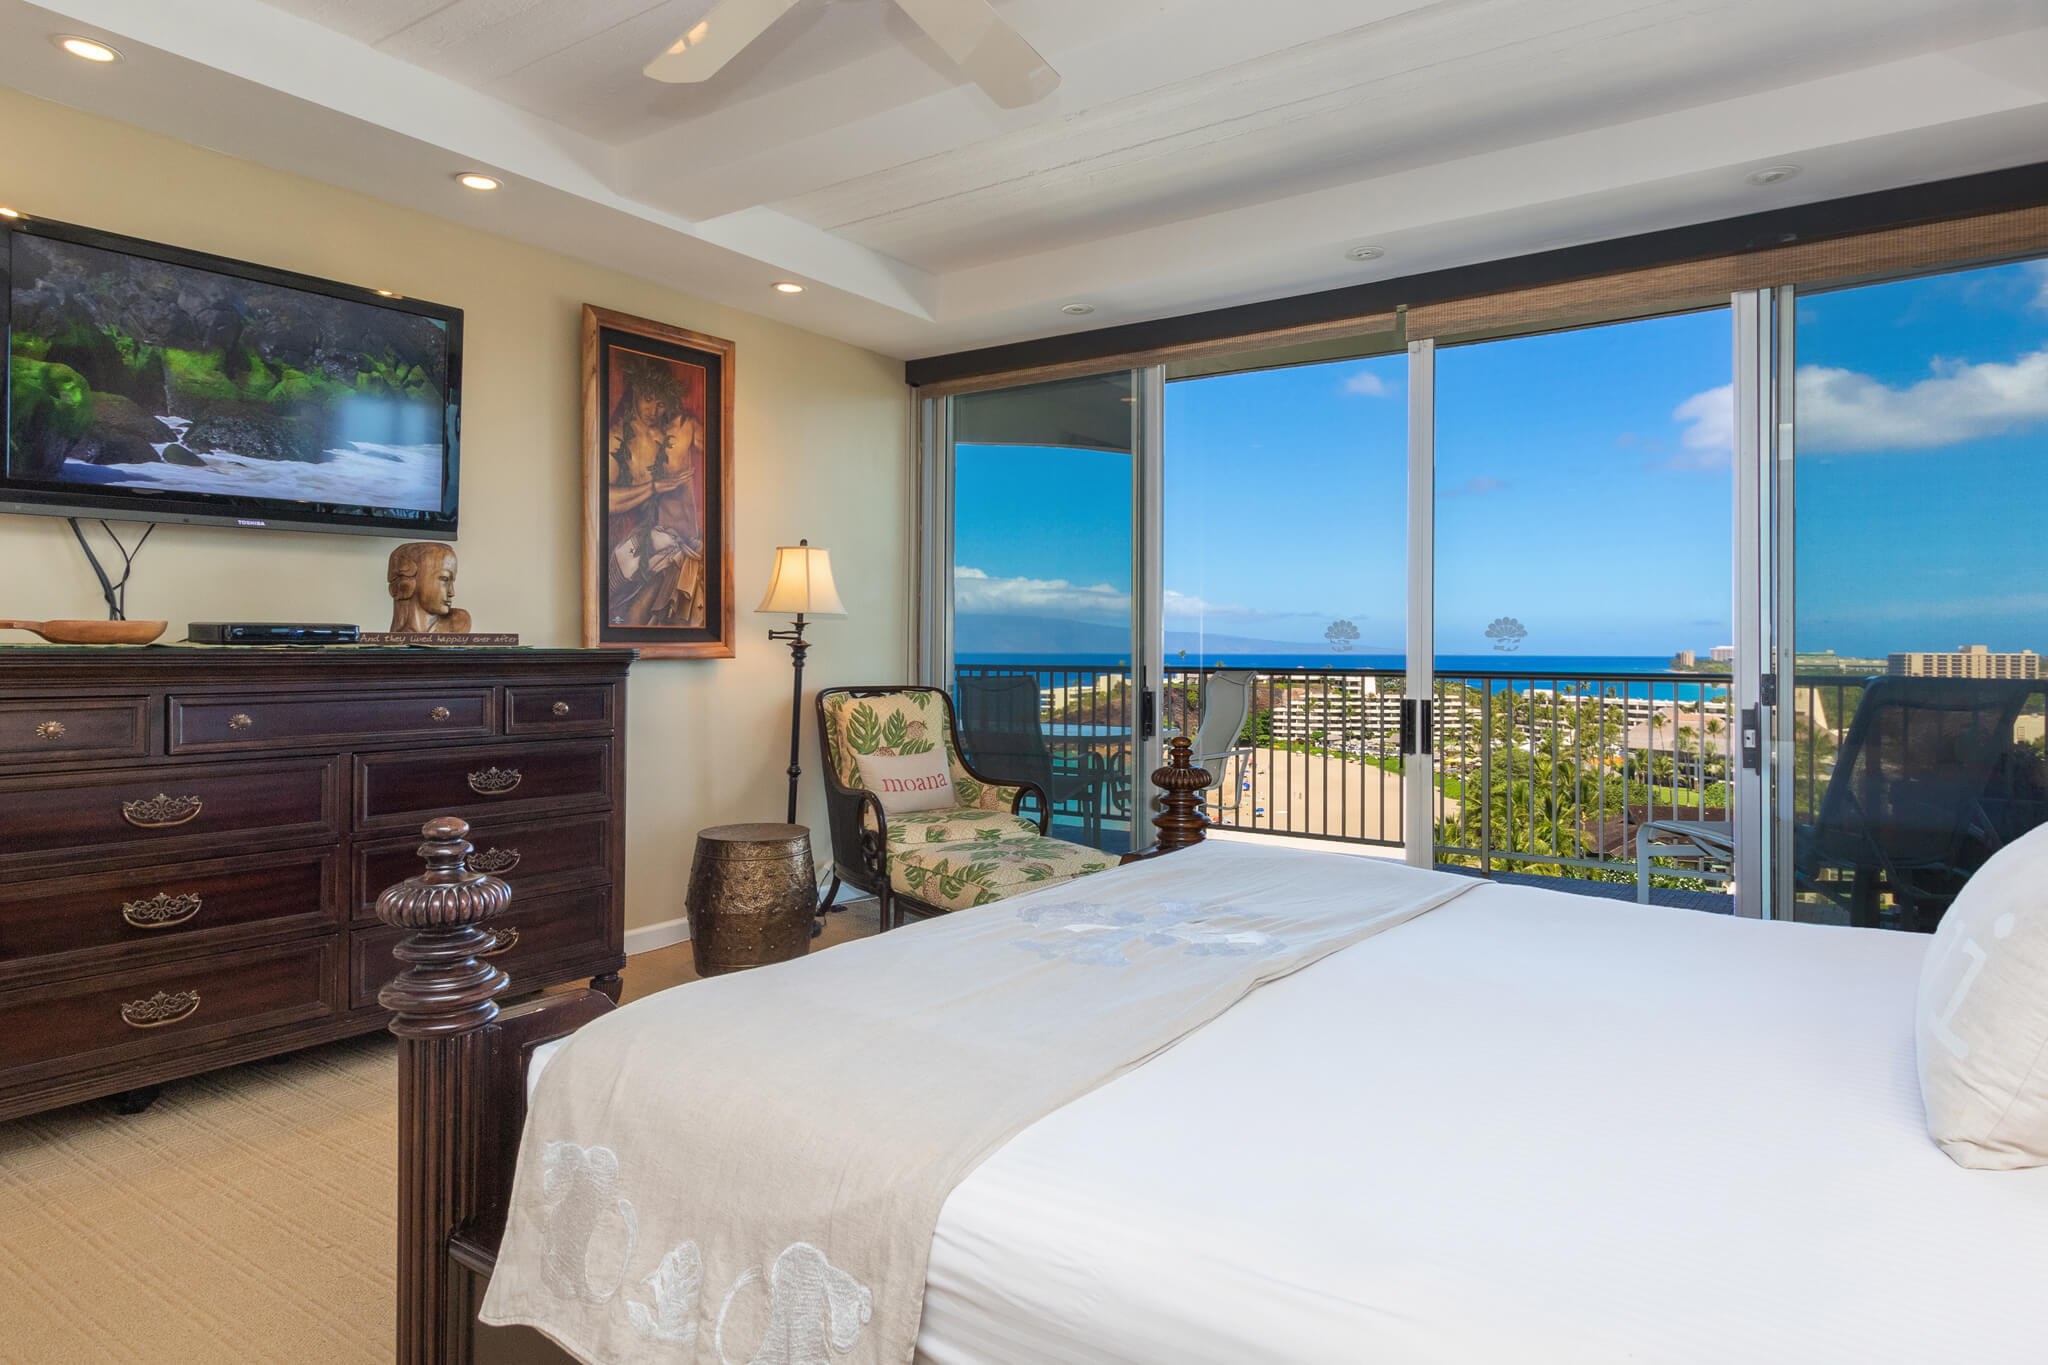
462	1101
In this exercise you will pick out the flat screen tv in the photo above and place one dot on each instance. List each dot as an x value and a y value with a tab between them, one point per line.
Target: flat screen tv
149	383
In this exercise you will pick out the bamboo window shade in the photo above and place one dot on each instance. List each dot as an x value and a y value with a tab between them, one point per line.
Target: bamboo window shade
1680	286
1708	282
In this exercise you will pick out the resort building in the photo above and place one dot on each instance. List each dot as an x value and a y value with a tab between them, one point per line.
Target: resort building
1970	661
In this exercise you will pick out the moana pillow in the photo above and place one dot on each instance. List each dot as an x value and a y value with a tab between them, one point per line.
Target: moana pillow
908	782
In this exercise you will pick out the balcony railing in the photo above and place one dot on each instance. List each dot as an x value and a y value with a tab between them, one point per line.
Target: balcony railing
1539	772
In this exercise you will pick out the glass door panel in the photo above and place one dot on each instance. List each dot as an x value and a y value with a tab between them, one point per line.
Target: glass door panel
1583	572
1285	555
1044	647
1919	591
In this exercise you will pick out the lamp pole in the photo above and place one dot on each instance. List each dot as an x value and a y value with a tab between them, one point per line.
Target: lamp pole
798	647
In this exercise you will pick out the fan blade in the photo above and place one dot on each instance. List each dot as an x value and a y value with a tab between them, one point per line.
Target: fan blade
987	49
716	39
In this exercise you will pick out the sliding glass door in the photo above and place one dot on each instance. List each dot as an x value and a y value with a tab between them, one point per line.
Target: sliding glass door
1047	639
1285	569
1583	591
1915	598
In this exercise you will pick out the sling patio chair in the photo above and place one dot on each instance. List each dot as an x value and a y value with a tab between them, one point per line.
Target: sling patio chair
1002	733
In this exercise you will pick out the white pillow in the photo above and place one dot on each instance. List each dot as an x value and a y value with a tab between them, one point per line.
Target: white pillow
909	781
1982	1024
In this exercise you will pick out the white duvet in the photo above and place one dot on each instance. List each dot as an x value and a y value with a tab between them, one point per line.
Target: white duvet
1527	1127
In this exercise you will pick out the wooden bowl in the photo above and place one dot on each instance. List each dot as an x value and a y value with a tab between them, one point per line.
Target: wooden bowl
91	632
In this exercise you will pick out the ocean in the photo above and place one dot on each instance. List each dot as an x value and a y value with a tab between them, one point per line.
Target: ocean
1528	669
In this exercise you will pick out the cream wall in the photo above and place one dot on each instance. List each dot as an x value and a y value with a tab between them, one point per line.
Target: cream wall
820	446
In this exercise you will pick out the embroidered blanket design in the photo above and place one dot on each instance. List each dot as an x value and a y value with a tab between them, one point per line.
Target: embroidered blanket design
747	1170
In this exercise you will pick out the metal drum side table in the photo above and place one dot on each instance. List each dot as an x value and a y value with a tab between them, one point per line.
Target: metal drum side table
752	898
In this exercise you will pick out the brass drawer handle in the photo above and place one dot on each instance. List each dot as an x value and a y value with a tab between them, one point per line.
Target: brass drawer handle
560	708
492	861
502	941
162	1008
161	811
438	713
50	729
240	721
160	911
494	781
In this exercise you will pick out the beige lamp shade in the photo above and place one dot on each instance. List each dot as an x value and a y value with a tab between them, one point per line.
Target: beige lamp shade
802	583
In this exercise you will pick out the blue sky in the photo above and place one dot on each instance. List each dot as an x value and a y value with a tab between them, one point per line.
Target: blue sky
1583	487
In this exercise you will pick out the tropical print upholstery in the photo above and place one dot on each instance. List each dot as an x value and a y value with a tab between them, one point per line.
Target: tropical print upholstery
910	722
971	872
957	826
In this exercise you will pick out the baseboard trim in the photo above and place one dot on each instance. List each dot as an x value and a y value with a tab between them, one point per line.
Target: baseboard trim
648	937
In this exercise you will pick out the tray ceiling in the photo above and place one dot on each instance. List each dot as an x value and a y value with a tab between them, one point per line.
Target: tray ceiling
1197	153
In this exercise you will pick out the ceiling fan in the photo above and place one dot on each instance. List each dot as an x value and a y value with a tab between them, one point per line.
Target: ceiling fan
995	55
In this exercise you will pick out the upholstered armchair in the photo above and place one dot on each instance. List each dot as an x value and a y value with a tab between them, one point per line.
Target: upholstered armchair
982	848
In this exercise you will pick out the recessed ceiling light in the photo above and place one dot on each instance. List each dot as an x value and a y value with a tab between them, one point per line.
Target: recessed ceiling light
1365	253
1771	175
8	213
1079	310
87	48
788	287
388	294
475	180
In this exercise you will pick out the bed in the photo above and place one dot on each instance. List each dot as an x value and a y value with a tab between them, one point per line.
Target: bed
1522	1126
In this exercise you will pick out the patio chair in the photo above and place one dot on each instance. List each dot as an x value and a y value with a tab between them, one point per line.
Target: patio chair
981	849
1906	809
1001	732
1226	706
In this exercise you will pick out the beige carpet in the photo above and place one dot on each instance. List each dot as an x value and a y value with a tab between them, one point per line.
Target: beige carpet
249	1216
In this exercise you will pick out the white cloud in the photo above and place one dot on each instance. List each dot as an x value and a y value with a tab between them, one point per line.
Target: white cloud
1843	410
975	591
1368	383
1708	441
1473	488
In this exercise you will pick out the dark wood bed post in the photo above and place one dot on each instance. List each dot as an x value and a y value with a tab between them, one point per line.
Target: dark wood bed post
441	1002
1181	822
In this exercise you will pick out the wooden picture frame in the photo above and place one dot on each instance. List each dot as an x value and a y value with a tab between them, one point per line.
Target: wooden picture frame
657	488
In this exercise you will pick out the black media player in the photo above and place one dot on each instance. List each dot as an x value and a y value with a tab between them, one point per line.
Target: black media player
268	633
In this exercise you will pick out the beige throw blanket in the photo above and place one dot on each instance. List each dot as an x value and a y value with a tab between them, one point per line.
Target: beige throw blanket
750	1168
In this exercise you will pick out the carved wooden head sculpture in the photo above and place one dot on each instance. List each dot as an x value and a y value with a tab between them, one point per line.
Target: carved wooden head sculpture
421	579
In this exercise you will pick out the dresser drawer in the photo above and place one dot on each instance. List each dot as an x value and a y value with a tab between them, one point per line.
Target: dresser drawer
61	730
406	788
111	814
219	724
64	920
564	710
533	857
546	939
99	1020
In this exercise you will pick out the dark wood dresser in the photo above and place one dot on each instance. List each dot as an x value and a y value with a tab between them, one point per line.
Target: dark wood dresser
192	842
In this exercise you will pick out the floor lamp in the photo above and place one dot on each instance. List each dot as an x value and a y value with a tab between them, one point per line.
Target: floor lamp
800	586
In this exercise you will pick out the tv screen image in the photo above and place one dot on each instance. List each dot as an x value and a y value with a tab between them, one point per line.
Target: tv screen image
163	389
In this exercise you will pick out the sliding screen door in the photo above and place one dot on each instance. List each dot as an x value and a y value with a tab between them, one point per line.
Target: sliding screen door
1046	652
1918	591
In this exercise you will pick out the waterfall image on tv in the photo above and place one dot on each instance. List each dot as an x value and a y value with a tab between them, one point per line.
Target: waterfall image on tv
129	374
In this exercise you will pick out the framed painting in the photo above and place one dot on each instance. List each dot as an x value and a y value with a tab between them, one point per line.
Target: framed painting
657	488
